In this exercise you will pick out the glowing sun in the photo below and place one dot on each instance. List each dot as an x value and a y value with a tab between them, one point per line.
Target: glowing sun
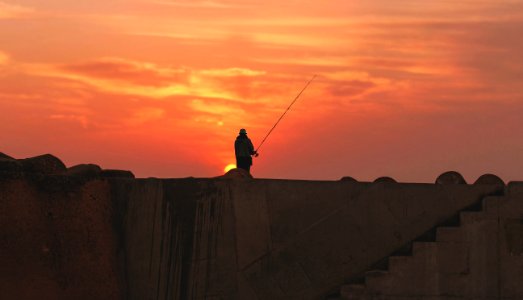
229	167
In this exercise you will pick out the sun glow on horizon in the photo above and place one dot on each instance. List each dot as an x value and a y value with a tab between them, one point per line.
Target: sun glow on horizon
229	167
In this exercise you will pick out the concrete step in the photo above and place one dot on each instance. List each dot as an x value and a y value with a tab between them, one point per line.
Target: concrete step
449	234
376	280
375	273
492	203
353	292
470	217
398	263
421	248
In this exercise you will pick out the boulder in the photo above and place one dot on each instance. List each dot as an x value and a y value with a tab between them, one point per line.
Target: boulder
44	164
116	174
10	165
237	173
489	179
5	156
348	179
84	171
451	177
385	179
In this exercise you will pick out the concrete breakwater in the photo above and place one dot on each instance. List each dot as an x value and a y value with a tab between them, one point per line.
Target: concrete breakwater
68	235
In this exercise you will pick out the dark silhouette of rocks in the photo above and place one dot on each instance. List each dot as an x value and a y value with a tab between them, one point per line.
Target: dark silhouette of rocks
48	164
489	179
9	164
237	173
385	179
44	164
451	177
5	156
116	174
348	179
84	171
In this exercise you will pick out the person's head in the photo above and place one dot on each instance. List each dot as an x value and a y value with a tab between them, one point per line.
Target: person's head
243	131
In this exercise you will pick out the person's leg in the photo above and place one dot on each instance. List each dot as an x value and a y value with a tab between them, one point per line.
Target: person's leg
242	163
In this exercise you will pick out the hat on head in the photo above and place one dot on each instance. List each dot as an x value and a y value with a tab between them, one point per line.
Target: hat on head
243	131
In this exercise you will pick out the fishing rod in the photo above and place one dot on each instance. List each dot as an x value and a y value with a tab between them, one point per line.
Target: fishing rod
285	112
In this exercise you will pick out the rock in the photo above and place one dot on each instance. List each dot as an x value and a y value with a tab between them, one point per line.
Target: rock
237	174
45	164
10	165
84	171
116	174
489	179
385	179
348	179
5	156
451	177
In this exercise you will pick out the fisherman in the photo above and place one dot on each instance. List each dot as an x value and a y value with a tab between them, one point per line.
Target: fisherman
243	149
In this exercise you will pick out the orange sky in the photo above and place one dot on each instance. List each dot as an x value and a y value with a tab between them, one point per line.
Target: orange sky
405	88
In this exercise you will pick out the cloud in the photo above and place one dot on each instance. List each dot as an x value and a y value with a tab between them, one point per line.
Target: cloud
232	72
147	114
200	4
138	73
14	11
350	88
82	120
4	58
127	77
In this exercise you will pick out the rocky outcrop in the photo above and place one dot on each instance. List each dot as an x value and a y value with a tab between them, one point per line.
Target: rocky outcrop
43	164
5	156
385	179
451	177
348	179
116	174
490	179
8	164
84	171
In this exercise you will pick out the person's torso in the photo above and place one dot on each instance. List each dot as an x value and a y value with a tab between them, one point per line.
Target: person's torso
242	147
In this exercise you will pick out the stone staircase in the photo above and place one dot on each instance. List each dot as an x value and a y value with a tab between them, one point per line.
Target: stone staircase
445	263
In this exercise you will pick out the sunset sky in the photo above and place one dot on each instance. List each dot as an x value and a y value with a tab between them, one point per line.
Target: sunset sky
405	88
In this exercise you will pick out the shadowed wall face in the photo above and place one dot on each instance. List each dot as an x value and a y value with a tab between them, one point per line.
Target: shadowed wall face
231	239
271	239
57	240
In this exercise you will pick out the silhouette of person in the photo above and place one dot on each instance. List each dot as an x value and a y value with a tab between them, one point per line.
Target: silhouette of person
243	149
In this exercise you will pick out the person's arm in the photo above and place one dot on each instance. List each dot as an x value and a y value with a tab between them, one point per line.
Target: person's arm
251	149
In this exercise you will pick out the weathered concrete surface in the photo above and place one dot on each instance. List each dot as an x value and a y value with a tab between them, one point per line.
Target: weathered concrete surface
482	258
56	240
323	233
211	238
270	239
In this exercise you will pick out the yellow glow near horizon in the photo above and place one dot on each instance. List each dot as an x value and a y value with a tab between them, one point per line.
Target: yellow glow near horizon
229	167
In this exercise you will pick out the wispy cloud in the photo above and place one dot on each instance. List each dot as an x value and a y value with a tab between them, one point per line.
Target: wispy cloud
145	79
14	11
201	4
4	58
133	72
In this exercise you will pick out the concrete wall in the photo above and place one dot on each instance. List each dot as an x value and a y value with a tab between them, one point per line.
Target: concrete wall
271	239
482	258
56	240
211	238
